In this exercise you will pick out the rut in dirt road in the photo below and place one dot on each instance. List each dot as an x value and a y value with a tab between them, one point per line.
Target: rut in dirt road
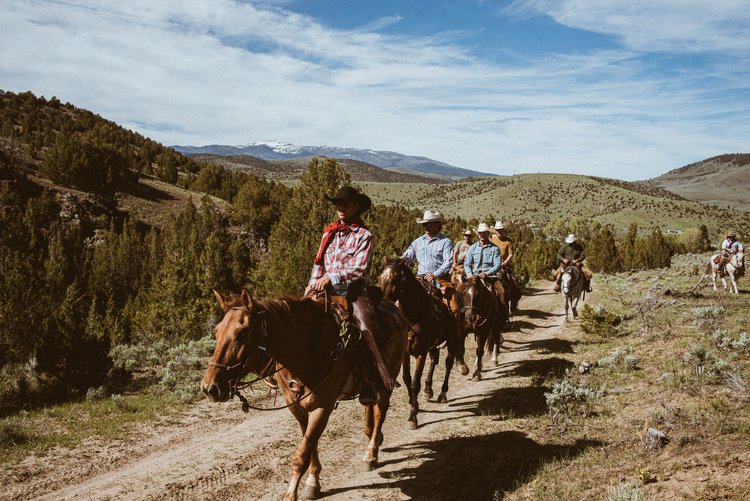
469	447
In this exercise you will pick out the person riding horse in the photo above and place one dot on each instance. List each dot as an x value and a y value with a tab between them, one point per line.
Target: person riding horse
572	252
460	250
483	260
434	253
505	244
341	266
729	248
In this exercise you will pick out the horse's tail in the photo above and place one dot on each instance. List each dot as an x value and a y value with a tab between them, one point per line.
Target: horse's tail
708	269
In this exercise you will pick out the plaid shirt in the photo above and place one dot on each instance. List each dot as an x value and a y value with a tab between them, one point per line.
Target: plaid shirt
346	259
435	255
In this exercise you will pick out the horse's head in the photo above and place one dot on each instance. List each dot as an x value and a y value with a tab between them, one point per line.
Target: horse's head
569	277
739	260
394	277
471	291
238	346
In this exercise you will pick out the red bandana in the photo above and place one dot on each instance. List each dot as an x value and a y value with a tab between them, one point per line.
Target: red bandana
330	232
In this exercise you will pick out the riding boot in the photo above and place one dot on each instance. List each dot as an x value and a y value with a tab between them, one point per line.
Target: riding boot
364	317
557	283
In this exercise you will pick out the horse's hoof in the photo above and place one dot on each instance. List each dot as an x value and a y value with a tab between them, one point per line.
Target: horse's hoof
464	370
310	492
428	394
412	425
477	377
575	313
442	398
370	465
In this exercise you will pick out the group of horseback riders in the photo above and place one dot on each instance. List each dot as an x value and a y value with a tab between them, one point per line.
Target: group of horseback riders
345	254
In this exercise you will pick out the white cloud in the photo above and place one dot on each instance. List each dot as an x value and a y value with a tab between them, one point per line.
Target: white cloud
227	72
653	25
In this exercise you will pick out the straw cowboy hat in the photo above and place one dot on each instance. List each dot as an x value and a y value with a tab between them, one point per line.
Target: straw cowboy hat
498	225
349	193
431	217
482	228
731	234
467	231
570	238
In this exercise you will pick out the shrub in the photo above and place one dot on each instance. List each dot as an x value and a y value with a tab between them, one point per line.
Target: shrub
599	321
619	358
567	399
704	363
625	492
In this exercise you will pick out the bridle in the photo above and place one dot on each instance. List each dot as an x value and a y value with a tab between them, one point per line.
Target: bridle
235	385
469	305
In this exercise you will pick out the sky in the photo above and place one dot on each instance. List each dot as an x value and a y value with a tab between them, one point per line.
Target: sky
620	89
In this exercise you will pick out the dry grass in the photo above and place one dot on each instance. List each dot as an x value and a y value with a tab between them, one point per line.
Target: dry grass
692	390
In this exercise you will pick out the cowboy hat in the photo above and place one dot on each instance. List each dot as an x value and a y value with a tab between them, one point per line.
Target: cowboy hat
570	238
731	233
431	217
482	228
349	193
499	225
467	231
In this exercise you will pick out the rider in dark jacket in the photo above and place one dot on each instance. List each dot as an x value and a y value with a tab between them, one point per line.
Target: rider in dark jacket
571	252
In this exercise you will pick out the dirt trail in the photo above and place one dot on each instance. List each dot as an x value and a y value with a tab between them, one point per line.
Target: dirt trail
217	451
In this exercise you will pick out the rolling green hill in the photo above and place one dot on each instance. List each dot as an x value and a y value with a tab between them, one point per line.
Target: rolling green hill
541	198
722	181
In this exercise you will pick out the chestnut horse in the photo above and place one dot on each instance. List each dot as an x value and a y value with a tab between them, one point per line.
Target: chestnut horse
430	324
484	314
315	365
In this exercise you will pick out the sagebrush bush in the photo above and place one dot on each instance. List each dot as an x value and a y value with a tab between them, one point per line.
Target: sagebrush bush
625	492
708	312
169	368
619	358
599	321
568	399
705	364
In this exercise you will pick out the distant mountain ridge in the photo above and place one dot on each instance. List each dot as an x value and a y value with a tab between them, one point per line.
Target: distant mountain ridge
389	160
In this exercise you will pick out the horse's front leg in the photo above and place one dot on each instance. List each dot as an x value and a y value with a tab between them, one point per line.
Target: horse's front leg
415	387
734	283
574	306
406	370
434	357
449	358
482	337
306	456
713	280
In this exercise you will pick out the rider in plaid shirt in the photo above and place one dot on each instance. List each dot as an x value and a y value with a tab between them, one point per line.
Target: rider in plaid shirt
341	267
346	259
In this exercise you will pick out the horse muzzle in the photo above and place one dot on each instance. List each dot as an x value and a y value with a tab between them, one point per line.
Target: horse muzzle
215	392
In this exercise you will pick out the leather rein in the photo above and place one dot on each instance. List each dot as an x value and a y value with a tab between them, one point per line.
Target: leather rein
236	385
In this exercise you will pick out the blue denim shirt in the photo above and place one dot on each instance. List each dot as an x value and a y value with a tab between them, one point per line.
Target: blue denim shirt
434	255
486	259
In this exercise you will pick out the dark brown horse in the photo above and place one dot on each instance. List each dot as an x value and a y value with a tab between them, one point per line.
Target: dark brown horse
430	325
316	368
484	314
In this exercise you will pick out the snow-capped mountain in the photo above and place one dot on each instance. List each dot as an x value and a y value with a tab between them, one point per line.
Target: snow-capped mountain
279	150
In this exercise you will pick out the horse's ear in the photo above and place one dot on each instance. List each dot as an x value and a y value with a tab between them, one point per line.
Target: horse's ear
402	260
221	301
385	260
247	299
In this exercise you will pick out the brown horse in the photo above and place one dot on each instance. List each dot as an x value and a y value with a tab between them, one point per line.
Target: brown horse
430	325
316	368
484	314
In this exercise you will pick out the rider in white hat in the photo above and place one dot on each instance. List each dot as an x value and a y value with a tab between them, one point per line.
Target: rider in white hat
571	252
434	253
510	279
483	259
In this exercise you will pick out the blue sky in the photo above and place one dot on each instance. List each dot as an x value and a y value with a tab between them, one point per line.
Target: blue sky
602	87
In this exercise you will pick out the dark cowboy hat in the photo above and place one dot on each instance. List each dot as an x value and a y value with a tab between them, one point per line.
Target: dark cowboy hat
349	193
